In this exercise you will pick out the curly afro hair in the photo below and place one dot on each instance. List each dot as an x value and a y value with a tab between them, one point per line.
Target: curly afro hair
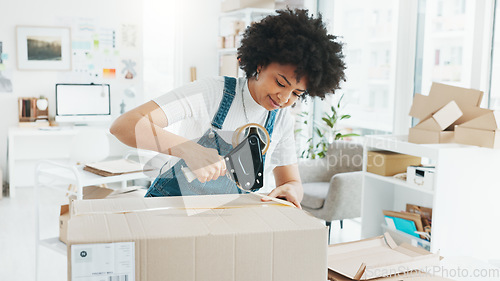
293	37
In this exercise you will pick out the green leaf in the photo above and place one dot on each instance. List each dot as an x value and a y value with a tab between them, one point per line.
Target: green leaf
341	97
328	122
346	116
318	131
350	135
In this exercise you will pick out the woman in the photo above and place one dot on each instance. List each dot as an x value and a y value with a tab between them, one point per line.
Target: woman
285	57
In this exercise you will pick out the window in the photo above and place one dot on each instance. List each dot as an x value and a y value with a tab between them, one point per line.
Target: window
453	44
369	33
494	98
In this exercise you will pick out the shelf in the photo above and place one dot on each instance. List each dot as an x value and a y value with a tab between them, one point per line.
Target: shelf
227	51
399	182
400	144
251	11
86	178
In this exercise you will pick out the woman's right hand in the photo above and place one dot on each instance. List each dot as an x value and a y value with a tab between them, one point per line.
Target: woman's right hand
205	163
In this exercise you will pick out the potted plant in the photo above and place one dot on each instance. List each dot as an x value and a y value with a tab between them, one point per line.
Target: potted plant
325	132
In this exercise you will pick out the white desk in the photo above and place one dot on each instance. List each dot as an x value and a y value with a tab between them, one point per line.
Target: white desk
26	146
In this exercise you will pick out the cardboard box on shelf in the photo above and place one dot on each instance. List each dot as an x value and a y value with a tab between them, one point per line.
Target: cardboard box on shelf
217	237
231	5
445	107
229	65
388	163
481	131
375	258
96	192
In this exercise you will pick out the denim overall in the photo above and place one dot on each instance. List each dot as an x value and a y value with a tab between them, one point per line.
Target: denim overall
174	183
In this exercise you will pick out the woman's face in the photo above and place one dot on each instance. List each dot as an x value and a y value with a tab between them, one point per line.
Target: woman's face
276	86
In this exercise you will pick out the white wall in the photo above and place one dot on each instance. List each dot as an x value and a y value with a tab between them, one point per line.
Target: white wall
179	35
106	14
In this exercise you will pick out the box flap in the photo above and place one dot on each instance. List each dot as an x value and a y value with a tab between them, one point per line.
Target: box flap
64	209
447	115
429	124
94	192
418	109
372	258
488	121
471	113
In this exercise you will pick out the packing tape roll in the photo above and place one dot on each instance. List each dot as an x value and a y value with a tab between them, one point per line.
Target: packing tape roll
242	132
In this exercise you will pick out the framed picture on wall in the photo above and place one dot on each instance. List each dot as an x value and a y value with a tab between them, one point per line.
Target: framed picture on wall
43	48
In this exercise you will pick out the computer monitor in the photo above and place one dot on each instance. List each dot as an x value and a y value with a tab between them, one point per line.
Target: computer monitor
83	103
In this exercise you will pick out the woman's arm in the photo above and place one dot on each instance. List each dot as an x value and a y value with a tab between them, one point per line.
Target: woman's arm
142	127
288	184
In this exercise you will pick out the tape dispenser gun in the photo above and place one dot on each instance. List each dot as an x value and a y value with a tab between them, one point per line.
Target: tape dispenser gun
244	163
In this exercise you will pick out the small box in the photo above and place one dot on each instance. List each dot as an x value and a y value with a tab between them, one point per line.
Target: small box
432	129
421	176
229	41
229	65
481	131
230	5
388	163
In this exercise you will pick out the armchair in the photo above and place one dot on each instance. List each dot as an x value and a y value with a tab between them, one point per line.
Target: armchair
332	185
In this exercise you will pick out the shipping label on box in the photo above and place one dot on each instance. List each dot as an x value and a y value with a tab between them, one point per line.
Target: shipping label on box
103	261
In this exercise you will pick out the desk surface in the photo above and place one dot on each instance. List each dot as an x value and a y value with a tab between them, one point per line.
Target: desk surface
76	175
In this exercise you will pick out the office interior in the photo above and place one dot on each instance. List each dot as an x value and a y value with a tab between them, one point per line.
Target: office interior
135	51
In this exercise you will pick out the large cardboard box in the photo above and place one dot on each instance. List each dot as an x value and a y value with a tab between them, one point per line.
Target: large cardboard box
388	163
230	5
481	131
445	107
215	237
375	258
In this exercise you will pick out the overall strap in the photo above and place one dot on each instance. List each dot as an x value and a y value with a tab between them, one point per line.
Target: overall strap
225	103
270	121
271	117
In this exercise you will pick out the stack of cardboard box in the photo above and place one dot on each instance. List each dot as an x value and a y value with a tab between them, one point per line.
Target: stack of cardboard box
452	114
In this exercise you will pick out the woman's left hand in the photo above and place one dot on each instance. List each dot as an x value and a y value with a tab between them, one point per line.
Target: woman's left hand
287	192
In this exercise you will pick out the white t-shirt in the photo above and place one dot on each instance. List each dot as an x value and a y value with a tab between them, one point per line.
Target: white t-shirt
197	103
